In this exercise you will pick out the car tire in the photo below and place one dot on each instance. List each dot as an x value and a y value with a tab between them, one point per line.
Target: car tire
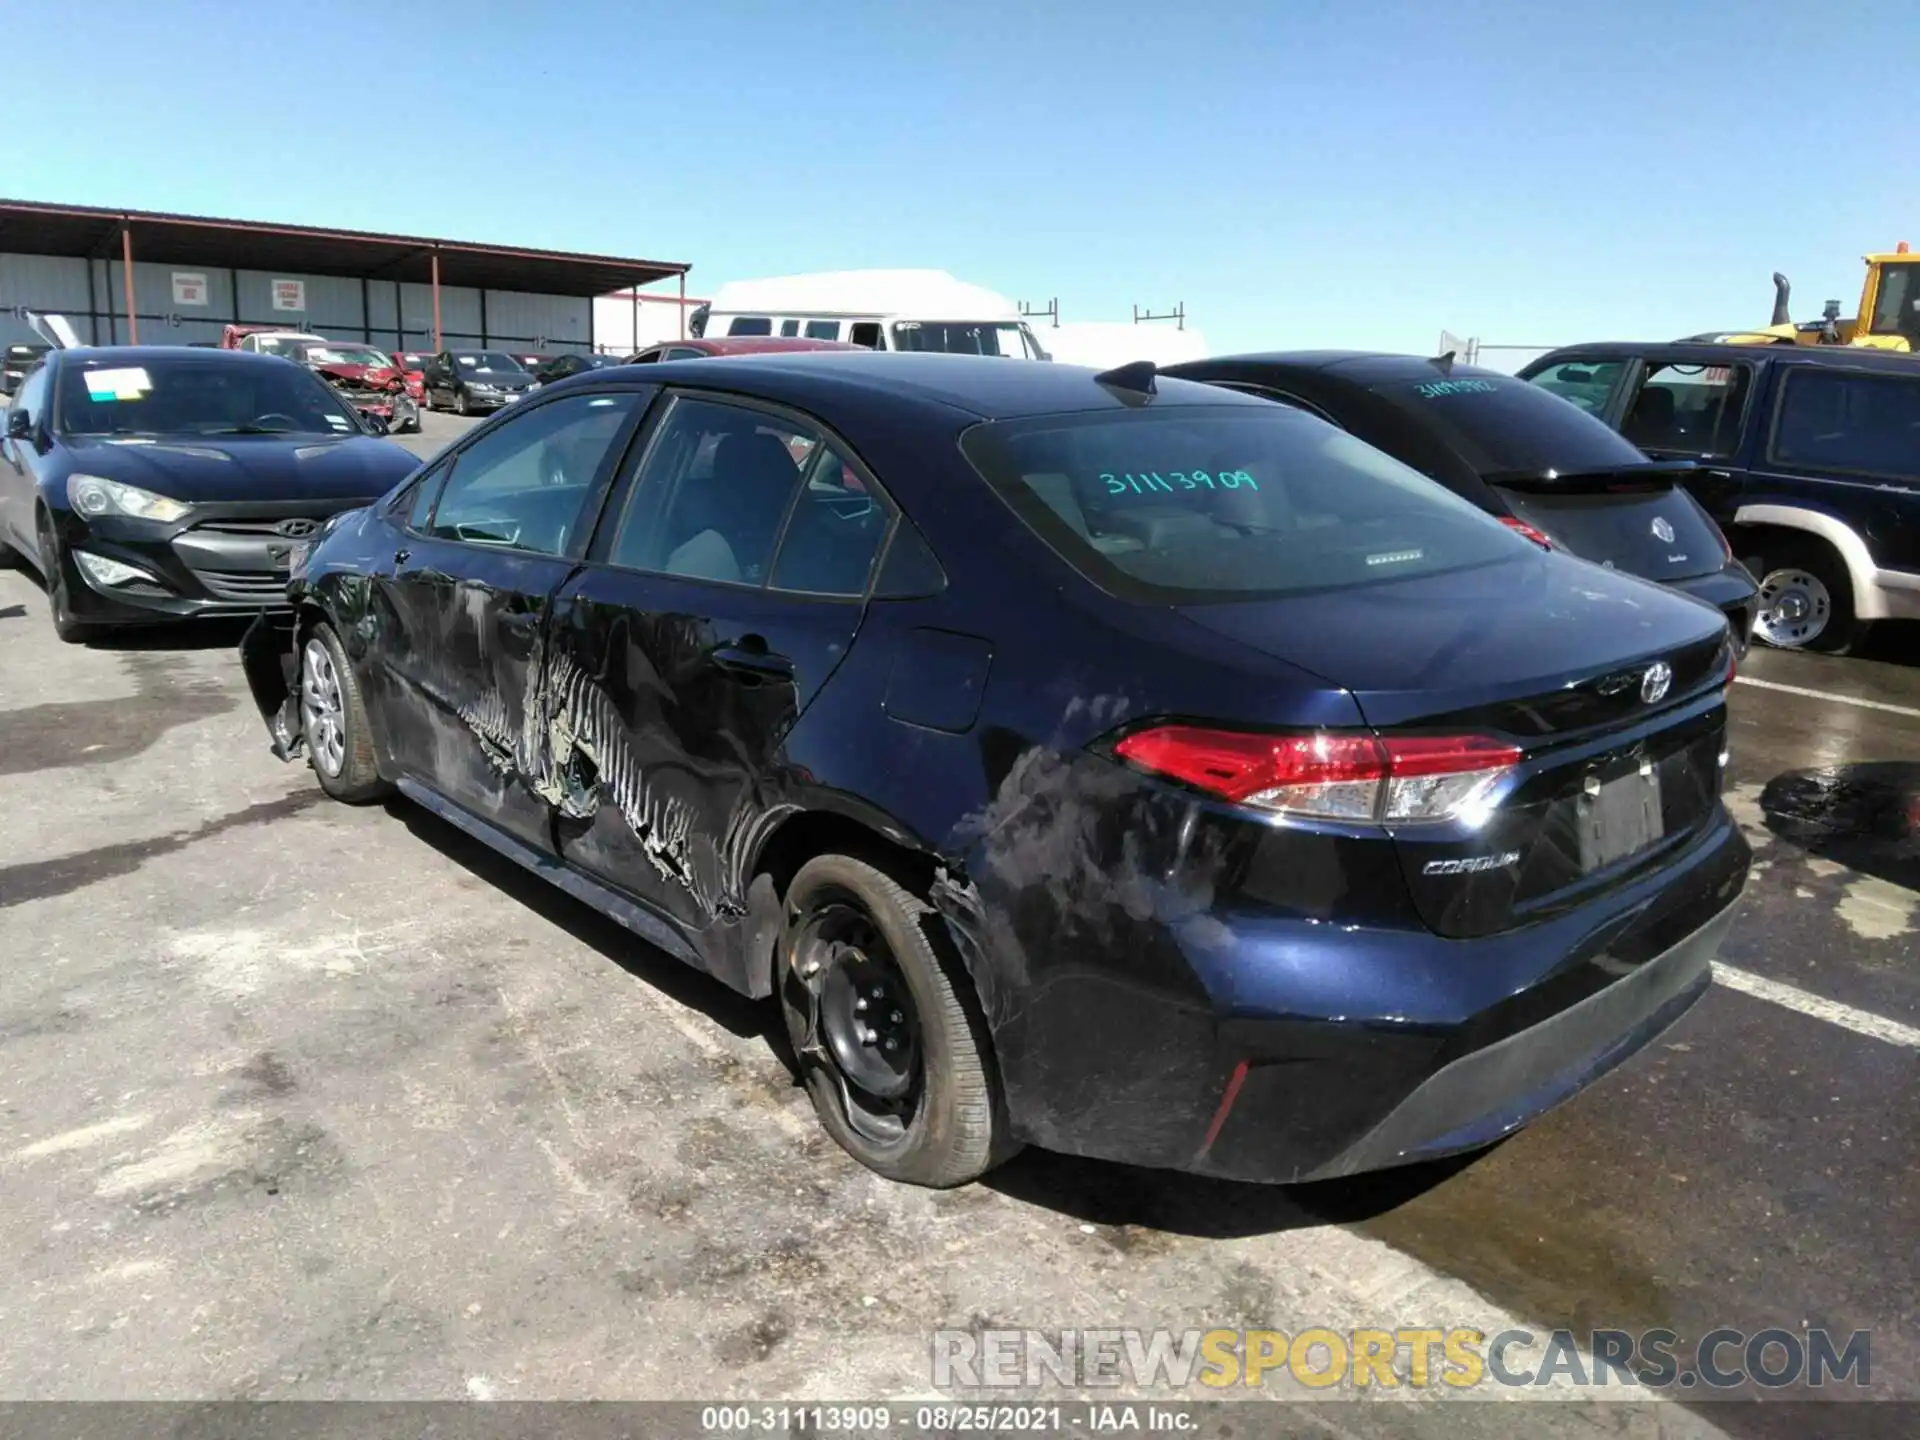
55	574
855	940
1806	598
333	721
460	405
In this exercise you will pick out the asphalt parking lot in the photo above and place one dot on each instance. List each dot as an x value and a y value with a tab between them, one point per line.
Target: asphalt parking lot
298	1100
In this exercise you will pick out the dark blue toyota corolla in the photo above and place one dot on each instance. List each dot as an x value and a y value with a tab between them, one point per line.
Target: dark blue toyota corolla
1111	763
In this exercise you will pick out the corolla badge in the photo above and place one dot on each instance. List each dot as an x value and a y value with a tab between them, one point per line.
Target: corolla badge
1656	682
296	529
1662	531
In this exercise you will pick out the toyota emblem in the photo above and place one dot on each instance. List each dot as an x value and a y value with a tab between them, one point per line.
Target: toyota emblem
1656	682
296	529
1662	531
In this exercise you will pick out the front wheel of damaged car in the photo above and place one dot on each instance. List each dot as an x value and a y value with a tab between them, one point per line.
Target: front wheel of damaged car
333	721
883	1020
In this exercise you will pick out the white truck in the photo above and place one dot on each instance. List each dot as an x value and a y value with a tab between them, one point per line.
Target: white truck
880	309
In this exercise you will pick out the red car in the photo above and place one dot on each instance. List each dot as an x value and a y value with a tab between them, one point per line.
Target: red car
412	365
734	345
367	378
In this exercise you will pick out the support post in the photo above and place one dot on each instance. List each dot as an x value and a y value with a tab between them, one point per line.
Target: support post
683	304
436	302
126	270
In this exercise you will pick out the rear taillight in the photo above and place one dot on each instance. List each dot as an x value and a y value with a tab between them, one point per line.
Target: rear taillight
1394	779
1520	527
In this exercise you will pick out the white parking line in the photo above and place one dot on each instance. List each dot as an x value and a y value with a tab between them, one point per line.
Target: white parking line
1827	695
1861	1022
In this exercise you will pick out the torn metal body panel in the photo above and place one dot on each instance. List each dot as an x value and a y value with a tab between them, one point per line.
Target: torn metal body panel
1169	976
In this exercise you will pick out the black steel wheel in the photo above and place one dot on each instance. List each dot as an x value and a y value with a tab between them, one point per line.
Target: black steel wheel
884	1022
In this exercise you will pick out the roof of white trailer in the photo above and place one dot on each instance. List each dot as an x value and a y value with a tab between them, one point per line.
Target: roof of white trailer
924	294
1104	344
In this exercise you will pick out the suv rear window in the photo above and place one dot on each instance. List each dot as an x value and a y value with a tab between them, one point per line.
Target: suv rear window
1502	426
1190	504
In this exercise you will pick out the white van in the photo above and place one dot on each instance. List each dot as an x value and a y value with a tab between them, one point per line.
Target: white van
880	309
1101	345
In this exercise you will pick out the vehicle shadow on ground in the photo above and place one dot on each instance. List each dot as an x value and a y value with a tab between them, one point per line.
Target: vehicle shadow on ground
1865	816
749	1019
1891	642
1130	1197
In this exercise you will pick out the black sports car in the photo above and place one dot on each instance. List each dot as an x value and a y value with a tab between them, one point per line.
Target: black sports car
151	483
1529	458
1117	764
473	381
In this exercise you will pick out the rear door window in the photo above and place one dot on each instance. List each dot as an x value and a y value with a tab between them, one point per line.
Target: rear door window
1586	383
1688	408
713	493
1852	421
823	329
1195	503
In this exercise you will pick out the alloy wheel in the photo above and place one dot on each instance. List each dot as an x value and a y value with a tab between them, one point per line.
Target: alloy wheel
322	708
1794	608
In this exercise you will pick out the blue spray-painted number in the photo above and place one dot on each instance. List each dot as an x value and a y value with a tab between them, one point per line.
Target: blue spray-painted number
1435	389
1174	481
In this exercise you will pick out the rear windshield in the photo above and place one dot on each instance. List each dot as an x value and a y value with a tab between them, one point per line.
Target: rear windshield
1198	503
1502	426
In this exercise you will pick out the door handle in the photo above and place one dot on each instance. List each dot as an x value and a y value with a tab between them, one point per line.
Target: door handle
758	663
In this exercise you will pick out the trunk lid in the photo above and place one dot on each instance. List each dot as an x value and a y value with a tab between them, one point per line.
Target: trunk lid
1554	655
1639	520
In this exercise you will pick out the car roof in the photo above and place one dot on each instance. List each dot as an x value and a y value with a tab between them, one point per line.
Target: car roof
984	386
1708	352
753	344
1361	367
133	354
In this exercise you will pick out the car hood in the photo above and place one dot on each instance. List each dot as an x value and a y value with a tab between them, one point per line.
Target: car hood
1420	646
381	375
215	468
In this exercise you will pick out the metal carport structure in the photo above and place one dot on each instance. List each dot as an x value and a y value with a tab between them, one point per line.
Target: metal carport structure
235	259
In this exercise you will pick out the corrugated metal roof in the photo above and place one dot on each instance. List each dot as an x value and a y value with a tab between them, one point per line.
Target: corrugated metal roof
32	228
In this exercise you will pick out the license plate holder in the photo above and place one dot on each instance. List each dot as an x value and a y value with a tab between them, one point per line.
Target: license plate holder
1620	817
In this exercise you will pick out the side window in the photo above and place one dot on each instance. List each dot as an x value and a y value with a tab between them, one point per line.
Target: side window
33	395
415	504
789	328
750	325
1688	409
865	332
712	493
683	353
525	484
1587	383
646	357
835	532
1848	420
823	329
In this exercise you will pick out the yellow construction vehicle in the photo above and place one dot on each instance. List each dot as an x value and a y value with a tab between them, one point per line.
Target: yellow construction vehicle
1888	317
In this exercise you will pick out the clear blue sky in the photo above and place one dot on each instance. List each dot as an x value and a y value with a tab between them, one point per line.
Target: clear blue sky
1298	173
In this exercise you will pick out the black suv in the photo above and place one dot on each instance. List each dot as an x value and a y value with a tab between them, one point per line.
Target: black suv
1810	461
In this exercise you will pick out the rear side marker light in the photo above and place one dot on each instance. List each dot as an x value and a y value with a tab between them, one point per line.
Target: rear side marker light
1391	779
1520	527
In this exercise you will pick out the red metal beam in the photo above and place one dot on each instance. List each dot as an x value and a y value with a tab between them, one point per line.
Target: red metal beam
126	271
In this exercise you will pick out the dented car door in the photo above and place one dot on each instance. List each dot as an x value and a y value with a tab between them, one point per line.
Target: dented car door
466	604
726	584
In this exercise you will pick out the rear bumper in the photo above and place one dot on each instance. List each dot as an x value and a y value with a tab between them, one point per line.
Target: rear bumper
1301	1049
1493	1091
1734	593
